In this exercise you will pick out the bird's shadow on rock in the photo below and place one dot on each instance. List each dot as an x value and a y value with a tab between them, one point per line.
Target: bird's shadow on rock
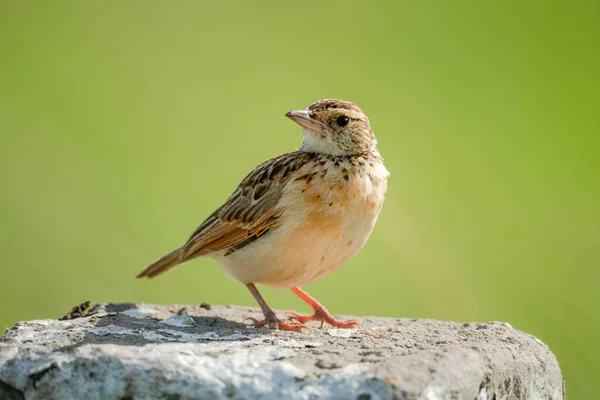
127	324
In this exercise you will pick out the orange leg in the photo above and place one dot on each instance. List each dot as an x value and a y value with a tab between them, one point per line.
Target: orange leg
321	313
271	319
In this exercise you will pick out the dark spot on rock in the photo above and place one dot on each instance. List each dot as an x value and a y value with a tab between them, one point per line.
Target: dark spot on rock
363	396
330	204
78	311
350	242
517	388
375	353
10	392
37	376
327	364
506	386
229	390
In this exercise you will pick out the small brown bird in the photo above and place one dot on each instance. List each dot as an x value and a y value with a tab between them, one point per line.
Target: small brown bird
298	216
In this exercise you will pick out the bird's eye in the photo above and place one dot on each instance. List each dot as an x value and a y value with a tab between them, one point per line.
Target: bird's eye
342	121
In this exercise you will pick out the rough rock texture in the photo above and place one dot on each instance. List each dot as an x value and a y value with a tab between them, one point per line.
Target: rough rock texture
129	351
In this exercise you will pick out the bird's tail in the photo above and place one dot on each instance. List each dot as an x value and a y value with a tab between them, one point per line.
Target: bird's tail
163	264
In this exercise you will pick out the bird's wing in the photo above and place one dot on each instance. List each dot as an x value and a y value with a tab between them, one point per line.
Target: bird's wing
251	210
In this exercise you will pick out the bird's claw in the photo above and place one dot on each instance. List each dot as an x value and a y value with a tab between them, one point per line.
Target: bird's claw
323	316
279	324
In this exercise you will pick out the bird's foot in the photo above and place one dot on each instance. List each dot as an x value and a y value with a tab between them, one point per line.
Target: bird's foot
275	323
321	314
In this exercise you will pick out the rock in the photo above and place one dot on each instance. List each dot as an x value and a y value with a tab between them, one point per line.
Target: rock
126	351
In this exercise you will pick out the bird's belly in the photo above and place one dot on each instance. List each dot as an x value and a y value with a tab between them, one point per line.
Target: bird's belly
297	254
313	239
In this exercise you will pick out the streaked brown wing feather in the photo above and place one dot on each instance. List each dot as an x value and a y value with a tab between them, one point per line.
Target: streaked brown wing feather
250	212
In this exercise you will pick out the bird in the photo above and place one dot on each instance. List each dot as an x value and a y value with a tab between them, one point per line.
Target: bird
297	216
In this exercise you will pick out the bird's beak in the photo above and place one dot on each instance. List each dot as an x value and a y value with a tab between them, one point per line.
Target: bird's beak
306	120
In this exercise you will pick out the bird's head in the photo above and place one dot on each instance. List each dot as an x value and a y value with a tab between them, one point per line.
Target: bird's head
335	127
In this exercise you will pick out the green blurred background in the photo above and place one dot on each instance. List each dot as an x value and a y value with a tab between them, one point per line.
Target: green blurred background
124	124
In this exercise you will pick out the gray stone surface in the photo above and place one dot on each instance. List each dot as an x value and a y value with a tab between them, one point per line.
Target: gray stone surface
129	351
